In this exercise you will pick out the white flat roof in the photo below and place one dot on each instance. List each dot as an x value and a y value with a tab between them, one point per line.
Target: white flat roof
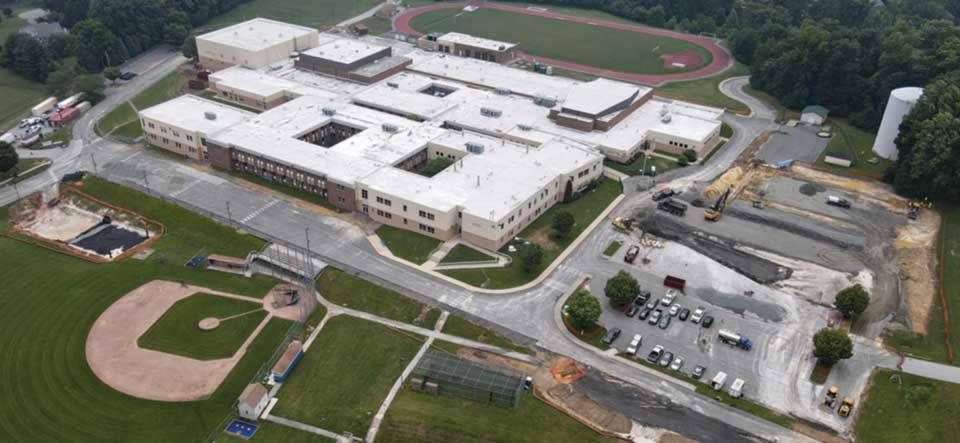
344	50
189	112
256	34
493	75
477	42
599	95
402	94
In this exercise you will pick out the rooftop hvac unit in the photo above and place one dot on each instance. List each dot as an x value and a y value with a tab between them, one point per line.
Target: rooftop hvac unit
474	148
666	118
393	84
545	101
490	112
502	91
387	127
294	54
329	111
524	127
664	110
209	115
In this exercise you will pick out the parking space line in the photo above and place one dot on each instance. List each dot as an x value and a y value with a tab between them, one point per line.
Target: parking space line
259	211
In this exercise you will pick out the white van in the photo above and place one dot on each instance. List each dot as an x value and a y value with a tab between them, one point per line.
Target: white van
736	389
718	381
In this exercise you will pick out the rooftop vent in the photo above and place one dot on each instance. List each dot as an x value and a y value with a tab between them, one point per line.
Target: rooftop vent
393	84
545	101
502	91
387	127
209	115
474	148
666	118
329	111
525	127
490	112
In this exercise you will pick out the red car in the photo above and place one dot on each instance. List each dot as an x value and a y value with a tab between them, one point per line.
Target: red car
631	254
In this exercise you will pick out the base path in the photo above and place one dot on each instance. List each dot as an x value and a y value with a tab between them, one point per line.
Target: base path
721	58
115	358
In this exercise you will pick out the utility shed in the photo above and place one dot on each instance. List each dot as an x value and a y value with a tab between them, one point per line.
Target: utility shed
814	115
252	401
440	373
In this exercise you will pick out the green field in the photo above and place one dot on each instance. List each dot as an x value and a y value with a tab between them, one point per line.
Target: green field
164	89
931	346
356	293
116	118
50	303
612	248
342	380
19	94
177	331
584	210
858	145
408	245
124	118
707	90
638	166
377	25
563	40
129	132
419	417
896	412
465	254
462	328
312	13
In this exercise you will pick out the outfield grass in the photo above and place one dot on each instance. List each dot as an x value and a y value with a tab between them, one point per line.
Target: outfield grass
564	40
462	328
888	416
119	116
408	245
465	254
612	248
419	417
931	346
50	303
584	210
637	166
858	145
177	331
707	90
312	13
341	381
356	293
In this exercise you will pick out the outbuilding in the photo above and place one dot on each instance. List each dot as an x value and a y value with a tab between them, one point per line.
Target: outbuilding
814	115
253	401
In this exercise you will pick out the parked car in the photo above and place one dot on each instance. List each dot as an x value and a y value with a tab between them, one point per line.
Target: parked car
669	297
127	76
642	298
666	359
631	254
31	121
684	314
655	354
35	129
635	344
632	310
674	310
707	322
677	363
698	315
698	371
652	304
664	322
644	313
610	337
655	317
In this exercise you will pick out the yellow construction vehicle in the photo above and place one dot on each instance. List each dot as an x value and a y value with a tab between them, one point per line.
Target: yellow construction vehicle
623	223
713	212
830	398
846	407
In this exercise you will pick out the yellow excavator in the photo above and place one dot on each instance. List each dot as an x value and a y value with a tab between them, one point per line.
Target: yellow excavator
713	212
830	398
846	407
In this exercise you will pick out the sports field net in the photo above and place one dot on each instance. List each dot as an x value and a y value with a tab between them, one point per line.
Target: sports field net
445	374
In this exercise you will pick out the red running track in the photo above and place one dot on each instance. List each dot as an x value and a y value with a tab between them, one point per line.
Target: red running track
721	58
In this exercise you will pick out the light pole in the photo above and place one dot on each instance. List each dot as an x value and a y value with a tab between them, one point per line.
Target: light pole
229	217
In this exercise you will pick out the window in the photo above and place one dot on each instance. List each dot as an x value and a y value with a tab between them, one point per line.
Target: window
363	193
423	213
430	216
189	138
387	202
424	227
379	199
175	133
163	130
150	124
404	208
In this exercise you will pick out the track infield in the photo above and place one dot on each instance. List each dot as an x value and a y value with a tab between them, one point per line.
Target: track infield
657	69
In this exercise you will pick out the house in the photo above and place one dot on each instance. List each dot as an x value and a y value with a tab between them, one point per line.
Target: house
814	115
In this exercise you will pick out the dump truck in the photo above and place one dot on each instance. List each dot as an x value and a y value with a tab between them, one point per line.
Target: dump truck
673	207
830	398
846	407
718	381
734	339
713	212
623	224
736	388
838	202
663	193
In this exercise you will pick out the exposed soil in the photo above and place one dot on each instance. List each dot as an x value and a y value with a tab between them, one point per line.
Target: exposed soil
916	254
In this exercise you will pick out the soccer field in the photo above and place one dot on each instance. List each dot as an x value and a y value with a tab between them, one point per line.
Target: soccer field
581	43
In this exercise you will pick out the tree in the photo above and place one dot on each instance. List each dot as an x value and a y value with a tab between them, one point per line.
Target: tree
530	257
568	192
657	16
7	12
111	73
60	45
26	56
691	155
60	81
621	288
97	46
831	346
8	157
563	223
852	301
682	161
189	47
91	85
584	310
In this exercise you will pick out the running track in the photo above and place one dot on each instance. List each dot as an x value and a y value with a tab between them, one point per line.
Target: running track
721	58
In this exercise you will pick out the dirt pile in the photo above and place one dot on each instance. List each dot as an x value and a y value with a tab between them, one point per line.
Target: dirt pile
918	263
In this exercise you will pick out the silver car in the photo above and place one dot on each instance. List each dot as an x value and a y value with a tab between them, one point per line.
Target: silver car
698	315
677	363
675	309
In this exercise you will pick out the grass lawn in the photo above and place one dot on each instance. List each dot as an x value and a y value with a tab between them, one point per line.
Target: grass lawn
119	116
164	89
564	40
356	293
177	331
931	346
782	111
707	90
636	167
419	417
889	416
130	131
273	433
858	145
408	245
341	381
51	301
279	187
463	328
584	210
23	165
377	25
612	248
462	253
61	135
19	94
312	13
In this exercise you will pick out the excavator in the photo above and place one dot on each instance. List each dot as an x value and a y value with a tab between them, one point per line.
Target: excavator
712	213
846	407
830	398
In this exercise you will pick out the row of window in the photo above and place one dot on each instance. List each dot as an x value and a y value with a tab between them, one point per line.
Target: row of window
277	169
165	130
681	145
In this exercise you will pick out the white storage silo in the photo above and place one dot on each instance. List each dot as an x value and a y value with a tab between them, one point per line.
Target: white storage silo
898	106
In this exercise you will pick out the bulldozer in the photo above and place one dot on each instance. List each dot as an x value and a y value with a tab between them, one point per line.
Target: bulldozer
830	398
846	407
914	208
623	224
713	212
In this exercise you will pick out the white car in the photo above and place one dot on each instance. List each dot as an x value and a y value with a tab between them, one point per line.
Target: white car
35	129
634	344
668	299
698	315
675	309
677	363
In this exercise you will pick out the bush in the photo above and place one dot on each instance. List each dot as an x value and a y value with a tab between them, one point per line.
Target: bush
831	346
691	155
530	257
682	161
434	166
8	157
917	395
563	223
852	301
584	310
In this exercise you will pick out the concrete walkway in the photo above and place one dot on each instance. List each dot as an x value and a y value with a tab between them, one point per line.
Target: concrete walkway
303	427
929	369
375	425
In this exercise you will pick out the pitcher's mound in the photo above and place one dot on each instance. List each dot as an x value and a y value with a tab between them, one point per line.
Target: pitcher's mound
209	323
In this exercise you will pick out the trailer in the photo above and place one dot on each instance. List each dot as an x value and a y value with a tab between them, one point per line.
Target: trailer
734	339
43	106
833	200
718	381
674	282
673	207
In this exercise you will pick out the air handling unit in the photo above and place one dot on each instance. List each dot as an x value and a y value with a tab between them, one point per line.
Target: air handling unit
898	106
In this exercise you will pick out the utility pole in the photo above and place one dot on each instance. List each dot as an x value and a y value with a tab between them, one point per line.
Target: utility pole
94	160
145	181
229	216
